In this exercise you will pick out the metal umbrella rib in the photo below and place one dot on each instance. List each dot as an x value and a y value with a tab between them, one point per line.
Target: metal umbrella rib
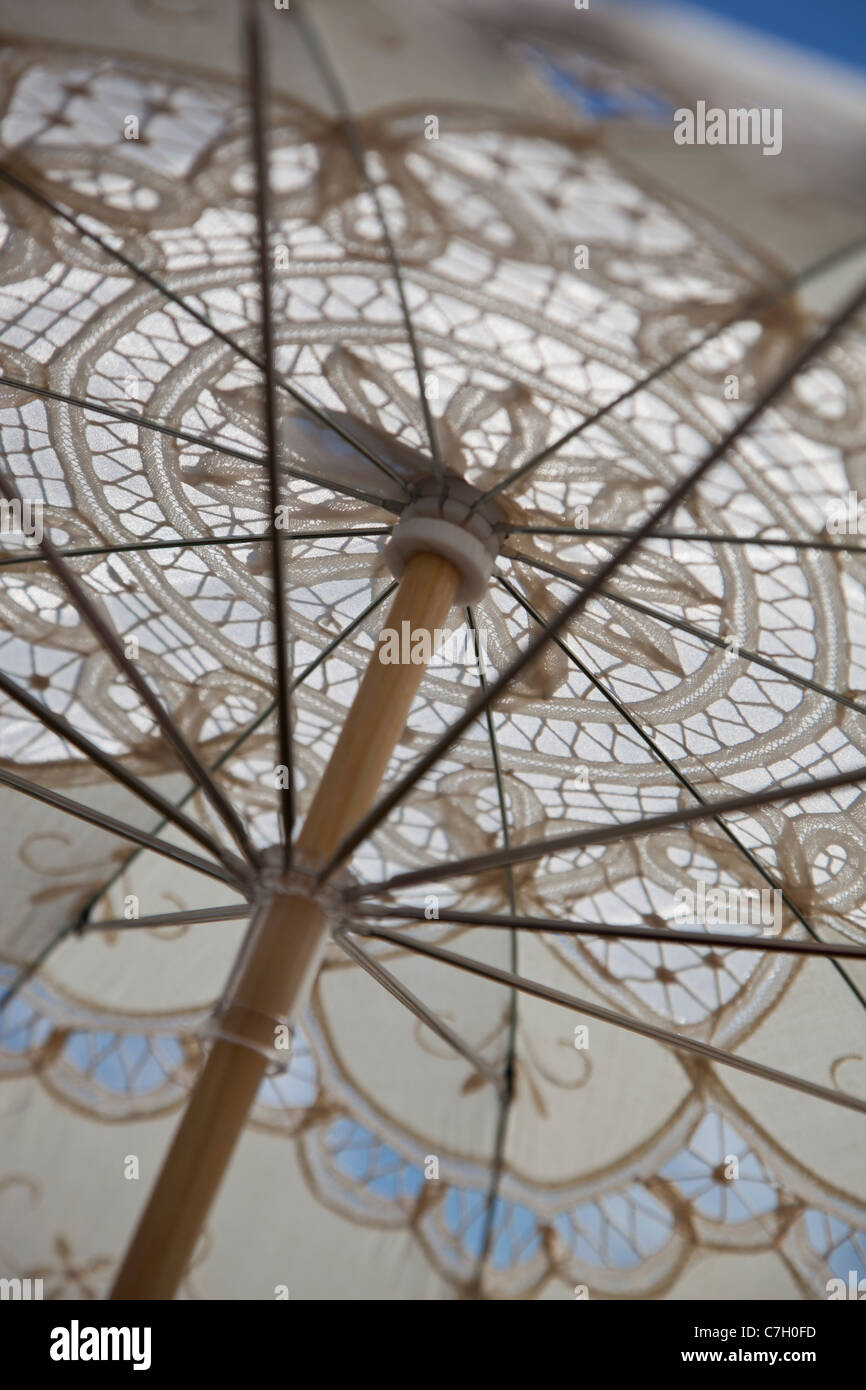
756	305
507	1096
672	936
683	625
282	638
686	782
589	533
597	582
172	812
109	640
410	1001
186	917
353	140
115	769
117	827
191	543
128	417
141	273
617	831
618	1020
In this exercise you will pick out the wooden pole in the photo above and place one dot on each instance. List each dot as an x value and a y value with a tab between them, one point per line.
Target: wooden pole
277	967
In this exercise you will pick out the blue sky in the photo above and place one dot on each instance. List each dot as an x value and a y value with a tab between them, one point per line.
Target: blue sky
833	27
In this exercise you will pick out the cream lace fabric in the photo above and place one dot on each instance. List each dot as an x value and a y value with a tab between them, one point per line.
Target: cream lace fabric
741	664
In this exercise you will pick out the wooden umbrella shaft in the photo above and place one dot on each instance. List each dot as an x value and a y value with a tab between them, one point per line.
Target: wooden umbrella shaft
278	964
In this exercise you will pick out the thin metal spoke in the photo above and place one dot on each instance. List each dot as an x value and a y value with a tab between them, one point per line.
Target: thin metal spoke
247	733
81	923
766	299
410	1001
128	417
498	1164
345	632
81	926
496	759
200	317
618	1020
193	543
115	769
282	637
683	624
615	832
187	917
120	828
686	782
27	973
699	537
353	140
599	578
667	936
109	640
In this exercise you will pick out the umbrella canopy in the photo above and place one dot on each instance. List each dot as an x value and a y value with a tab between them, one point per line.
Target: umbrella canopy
523	1069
